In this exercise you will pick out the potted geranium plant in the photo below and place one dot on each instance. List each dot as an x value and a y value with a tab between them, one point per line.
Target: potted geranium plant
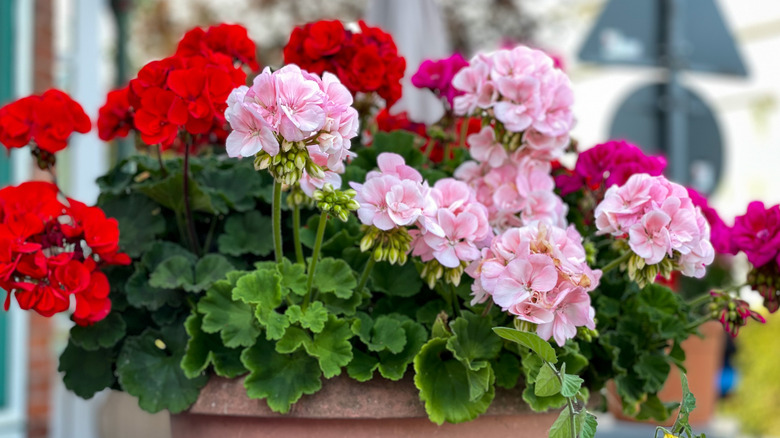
262	246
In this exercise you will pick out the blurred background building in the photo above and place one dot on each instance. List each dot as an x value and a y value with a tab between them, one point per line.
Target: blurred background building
88	47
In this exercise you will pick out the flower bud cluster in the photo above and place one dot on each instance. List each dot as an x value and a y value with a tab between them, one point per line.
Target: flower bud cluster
391	245
644	274
732	312
433	271
288	165
339	202
766	281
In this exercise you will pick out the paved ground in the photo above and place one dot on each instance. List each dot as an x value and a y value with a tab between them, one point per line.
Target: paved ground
609	427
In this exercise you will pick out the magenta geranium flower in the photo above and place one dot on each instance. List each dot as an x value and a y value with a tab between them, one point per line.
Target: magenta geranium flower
757	233
437	76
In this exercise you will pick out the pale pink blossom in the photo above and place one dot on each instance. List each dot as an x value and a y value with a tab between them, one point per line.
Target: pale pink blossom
479	90
484	147
309	183
572	309
649	238
394	164
250	135
301	104
544	147
405	202
461	231
522	277
372	197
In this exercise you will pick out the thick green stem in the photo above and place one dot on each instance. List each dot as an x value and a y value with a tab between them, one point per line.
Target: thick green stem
617	262
698	301
210	235
569	403
315	255
297	234
366	272
698	322
277	221
455	302
187	207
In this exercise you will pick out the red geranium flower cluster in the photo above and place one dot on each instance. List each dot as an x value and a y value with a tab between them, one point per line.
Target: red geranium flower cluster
364	61
50	251
186	91
48	120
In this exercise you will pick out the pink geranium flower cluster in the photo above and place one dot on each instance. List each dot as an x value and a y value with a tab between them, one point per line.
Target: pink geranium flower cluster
517	192
521	89
463	221
291	105
450	225
539	274
660	221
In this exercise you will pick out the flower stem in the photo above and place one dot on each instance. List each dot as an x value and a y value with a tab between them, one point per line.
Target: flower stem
297	234
617	262
698	322
163	170
698	301
366	272
315	255
455	303
210	235
569	404
488	306
277	221
186	187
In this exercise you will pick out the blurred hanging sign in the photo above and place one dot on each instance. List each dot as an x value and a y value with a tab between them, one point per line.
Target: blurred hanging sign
641	120
631	32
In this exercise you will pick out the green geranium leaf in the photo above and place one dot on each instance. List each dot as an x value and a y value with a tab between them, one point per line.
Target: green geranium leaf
248	233
141	294
173	273
331	346
236	186
444	385
562	426
102	334
654	369
393	366
209	269
154	374
480	381
87	372
274	322
262	287
507	369
473	340
547	382
294	338
688	400
293	276
335	276
571	385
163	250
529	340
281	379
387	333
362	366
204	349
168	193
233	320
349	306
402	281
587	424
313	318
542	404
140	222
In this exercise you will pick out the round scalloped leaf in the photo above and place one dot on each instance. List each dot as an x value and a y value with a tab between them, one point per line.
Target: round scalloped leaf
233	320
87	372
140	222
154	374
141	294
335	276
102	334
204	349
401	281
393	366
246	234
473	339
444	384
281	379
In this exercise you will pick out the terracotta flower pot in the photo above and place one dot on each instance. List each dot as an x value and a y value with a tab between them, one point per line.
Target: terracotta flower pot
344	407
703	358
